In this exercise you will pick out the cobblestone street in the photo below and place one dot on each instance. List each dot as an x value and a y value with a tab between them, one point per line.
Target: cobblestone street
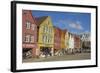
77	56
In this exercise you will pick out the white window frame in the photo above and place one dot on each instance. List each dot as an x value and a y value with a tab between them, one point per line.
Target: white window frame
28	25
27	38
32	39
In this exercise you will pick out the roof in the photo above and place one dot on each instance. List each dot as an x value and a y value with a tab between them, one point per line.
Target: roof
63	30
55	27
41	19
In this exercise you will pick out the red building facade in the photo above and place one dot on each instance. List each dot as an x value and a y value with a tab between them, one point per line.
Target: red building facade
29	34
57	39
77	43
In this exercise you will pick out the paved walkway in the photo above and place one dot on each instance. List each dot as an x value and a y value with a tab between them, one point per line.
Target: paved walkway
78	56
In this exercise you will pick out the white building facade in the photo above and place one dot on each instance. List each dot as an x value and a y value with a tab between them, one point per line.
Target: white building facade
71	42
85	40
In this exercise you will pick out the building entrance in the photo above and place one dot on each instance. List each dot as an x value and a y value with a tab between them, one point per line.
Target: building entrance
45	51
27	53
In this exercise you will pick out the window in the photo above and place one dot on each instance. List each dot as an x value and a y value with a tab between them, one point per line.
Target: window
47	29
32	39
28	25
44	38
27	38
48	40
44	28
50	30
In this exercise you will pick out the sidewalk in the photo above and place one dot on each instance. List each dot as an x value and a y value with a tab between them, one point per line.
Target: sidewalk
78	56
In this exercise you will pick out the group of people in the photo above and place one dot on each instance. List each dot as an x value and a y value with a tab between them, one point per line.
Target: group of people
45	52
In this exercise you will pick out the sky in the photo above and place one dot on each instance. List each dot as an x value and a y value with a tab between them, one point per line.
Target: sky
72	21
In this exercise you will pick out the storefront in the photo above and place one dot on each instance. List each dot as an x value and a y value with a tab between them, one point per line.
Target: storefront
45	51
29	51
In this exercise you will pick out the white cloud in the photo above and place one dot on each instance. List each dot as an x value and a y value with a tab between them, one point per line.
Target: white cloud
76	25
70	24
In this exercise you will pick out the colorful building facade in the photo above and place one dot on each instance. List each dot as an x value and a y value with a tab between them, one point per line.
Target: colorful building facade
85	41
67	40
57	39
63	32
41	38
77	43
29	34
71	43
45	36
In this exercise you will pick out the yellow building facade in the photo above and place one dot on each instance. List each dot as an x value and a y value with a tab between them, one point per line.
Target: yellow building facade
45	36
63	32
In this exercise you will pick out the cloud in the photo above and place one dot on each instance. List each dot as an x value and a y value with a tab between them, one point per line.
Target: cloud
70	24
76	25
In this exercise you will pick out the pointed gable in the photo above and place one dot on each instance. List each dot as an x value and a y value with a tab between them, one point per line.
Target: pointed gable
40	20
